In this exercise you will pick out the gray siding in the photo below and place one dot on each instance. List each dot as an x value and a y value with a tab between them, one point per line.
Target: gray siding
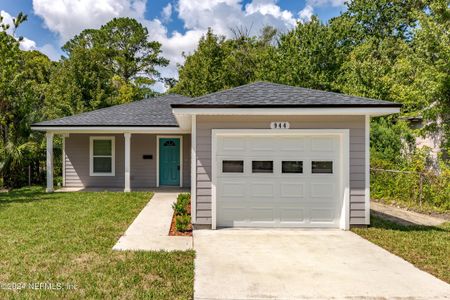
357	153
143	171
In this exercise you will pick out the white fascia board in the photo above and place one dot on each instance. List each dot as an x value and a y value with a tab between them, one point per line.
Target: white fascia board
63	129
371	111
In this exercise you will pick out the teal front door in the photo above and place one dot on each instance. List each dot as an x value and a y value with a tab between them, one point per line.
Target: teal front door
169	161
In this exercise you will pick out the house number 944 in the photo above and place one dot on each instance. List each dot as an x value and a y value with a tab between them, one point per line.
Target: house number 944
279	125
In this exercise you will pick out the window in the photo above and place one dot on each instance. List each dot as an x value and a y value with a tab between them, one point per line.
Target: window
292	167
322	167
169	144
265	166
232	166
102	156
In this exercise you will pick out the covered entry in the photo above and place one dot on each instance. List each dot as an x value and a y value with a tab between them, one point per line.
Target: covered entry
280	178
170	160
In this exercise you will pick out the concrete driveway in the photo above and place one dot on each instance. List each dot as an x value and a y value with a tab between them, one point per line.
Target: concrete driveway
299	264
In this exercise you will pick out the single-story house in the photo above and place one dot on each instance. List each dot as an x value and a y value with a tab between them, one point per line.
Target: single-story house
258	155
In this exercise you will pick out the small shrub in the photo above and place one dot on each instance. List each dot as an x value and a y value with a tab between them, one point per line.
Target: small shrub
182	223
184	198
179	208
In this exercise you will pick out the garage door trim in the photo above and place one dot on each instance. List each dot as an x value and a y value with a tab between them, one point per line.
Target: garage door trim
344	158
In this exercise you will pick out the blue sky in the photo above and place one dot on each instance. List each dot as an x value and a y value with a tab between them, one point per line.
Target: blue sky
177	24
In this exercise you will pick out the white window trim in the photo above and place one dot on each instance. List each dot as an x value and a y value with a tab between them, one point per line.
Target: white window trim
158	137
343	134
91	155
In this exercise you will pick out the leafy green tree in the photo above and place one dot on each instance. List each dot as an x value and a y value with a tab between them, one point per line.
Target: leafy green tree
111	65
308	56
23	82
202	70
384	18
220	63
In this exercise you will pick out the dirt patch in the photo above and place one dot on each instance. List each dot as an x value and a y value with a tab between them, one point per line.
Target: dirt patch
444	215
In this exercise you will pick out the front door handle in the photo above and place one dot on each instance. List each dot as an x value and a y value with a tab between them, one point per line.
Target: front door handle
178	168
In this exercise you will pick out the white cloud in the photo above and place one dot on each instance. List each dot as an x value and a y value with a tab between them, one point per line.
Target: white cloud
25	44
224	15
68	18
166	13
308	11
7	20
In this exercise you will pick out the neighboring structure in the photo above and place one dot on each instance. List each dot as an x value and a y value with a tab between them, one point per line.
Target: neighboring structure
259	155
431	141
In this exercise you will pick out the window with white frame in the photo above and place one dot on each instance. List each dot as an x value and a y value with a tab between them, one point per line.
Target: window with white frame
102	156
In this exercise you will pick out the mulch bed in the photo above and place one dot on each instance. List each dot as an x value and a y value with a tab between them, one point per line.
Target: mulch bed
173	230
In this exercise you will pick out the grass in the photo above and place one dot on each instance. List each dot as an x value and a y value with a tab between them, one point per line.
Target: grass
426	247
65	240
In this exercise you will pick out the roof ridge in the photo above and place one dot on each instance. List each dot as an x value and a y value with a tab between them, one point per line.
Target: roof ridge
224	90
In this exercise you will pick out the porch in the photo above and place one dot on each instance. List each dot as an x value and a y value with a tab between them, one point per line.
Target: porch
111	161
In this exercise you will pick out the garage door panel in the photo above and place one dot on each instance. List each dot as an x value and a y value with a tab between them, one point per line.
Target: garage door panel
232	189
292	215
262	214
260	145
262	189
279	198
231	145
322	190
290	144
292	190
322	215
323	144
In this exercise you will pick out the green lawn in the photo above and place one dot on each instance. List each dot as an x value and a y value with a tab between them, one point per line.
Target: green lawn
428	248
66	238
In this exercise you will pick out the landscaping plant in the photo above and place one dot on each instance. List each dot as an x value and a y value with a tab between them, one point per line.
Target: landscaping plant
182	212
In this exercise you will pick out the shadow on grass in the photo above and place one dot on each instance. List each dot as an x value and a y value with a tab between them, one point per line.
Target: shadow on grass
25	195
387	222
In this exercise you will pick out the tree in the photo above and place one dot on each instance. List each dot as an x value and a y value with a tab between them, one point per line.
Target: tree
23	83
384	18
111	65
308	56
219	63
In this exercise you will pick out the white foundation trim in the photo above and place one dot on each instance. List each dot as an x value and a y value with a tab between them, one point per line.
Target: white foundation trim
344	155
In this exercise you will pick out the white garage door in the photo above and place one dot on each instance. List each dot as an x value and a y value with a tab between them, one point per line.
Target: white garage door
278	181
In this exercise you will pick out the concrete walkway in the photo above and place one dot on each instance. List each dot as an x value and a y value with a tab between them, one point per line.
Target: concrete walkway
402	216
304	264
150	229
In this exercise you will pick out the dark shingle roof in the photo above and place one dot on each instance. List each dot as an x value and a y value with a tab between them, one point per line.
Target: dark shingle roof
270	95
148	112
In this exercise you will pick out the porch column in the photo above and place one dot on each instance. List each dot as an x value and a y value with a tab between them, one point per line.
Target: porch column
49	136
127	136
